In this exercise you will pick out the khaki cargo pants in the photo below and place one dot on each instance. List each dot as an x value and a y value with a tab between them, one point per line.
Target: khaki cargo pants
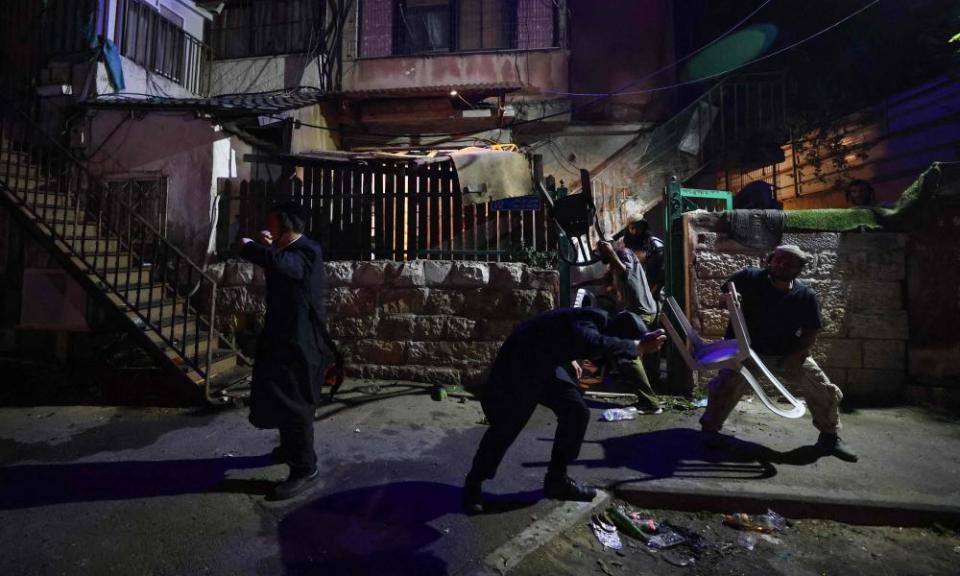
809	381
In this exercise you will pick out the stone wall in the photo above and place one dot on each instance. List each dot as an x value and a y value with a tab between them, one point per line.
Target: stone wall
859	281
428	321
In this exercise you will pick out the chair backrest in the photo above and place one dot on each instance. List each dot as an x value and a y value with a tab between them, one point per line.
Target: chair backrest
690	337
736	316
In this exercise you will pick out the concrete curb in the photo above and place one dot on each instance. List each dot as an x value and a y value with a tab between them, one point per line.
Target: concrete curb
507	556
863	511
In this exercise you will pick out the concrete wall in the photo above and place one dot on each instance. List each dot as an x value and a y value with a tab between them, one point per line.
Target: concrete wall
859	279
427	321
933	272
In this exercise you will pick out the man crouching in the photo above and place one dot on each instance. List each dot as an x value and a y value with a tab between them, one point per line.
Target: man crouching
532	368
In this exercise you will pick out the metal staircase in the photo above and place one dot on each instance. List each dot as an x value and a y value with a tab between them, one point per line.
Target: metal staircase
168	302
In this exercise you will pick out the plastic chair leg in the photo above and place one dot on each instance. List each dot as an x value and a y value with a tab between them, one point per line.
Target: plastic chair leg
798	410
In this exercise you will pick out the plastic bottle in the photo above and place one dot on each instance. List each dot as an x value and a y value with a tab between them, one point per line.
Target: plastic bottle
614	414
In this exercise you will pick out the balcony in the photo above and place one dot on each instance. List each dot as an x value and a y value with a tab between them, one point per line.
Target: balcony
258	28
156	40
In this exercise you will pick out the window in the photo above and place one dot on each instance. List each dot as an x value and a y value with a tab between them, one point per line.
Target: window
155	39
389	27
424	26
249	28
144	194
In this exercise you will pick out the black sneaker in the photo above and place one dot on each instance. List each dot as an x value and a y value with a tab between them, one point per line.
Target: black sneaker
832	445
277	455
567	489
472	497
713	439
295	484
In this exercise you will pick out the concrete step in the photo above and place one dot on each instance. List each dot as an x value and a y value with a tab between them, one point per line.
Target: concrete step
109	261
21	182
144	295
55	214
50	198
120	279
69	230
91	245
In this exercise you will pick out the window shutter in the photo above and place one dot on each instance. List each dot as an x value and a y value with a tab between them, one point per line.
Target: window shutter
376	28
535	24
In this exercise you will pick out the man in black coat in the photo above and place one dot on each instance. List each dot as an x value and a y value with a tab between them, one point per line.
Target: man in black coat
532	367
292	351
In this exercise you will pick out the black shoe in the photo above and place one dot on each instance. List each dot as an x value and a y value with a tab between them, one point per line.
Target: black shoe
278	456
832	445
472	497
567	489
713	439
295	484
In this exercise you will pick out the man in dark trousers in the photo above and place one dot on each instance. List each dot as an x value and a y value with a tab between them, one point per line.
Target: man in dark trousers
532	367
292	352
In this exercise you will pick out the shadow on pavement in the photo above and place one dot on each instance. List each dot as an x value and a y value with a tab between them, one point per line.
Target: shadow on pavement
376	530
28	486
680	453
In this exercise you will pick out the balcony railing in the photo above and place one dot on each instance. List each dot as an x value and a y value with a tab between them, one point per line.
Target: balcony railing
162	46
251	28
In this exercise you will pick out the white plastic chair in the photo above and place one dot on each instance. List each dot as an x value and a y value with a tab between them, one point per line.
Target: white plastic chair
731	353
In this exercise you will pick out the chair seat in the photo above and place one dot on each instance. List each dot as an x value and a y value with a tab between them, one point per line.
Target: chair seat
716	352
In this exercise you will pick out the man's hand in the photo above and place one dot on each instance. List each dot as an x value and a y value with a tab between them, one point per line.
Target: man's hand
577	370
606	251
650	346
266	238
244	241
725	298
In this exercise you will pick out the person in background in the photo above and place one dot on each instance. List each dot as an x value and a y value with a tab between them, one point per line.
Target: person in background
859	193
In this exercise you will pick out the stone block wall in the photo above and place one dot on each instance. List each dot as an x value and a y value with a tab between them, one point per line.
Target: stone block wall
428	321
859	280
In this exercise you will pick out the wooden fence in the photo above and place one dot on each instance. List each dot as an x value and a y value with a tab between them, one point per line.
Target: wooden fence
389	210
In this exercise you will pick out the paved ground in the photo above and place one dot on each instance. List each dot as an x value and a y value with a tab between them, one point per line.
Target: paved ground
94	490
809	548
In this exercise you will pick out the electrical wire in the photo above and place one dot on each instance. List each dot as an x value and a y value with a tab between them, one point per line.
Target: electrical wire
669	66
453	135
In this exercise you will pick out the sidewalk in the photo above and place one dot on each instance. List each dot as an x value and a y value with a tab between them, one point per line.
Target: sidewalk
907	473
95	490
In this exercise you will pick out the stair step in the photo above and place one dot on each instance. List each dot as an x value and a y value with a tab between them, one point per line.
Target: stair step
88	246
191	344
109	261
52	199
21	182
65	214
143	295
122	278
13	156
69	229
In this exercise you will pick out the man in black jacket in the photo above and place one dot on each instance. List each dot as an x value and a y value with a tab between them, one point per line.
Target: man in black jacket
532	368
292	353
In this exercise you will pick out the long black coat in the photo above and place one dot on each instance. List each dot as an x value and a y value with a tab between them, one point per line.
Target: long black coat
540	348
292	356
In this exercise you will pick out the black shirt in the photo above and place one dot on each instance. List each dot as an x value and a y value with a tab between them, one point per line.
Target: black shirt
775	319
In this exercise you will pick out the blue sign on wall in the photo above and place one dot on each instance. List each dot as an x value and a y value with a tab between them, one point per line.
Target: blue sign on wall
518	203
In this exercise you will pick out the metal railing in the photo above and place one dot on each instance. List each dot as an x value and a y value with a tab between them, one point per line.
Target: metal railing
253	28
142	271
162	47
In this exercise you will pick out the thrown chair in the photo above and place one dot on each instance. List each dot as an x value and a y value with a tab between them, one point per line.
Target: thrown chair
733	354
